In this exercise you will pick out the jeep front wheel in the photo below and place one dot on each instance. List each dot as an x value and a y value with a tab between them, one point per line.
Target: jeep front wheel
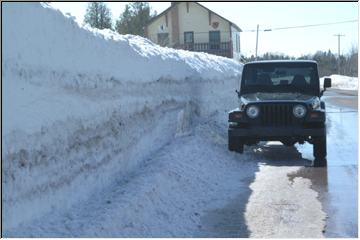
319	146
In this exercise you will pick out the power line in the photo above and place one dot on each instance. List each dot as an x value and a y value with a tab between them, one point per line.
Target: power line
302	26
280	28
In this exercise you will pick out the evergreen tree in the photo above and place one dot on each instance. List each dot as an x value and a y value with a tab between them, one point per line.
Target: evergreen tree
123	25
134	18
98	15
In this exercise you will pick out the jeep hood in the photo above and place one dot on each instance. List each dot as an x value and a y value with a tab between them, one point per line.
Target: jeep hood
259	97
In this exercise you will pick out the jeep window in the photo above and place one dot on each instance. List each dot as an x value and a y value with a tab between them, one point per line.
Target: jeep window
280	77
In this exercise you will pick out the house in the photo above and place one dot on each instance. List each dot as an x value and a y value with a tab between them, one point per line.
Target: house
191	26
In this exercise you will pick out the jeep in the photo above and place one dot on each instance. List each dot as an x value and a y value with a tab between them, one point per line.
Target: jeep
280	101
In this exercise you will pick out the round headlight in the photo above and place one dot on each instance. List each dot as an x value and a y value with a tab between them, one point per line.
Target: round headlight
315	104
299	111
252	111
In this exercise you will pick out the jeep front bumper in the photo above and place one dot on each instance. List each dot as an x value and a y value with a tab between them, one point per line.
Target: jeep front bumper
272	133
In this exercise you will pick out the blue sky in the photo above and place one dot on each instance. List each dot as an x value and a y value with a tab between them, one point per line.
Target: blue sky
270	15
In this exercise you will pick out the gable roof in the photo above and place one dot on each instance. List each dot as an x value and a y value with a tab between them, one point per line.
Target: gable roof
169	8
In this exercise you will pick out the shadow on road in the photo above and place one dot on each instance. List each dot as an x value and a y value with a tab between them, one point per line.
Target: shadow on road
276	154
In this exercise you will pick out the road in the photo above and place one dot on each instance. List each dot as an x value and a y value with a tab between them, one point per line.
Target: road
194	187
337	184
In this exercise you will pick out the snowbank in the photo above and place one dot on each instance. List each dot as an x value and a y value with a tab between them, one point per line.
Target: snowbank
342	82
81	107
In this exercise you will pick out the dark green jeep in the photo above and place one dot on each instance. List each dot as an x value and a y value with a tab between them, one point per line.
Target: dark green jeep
280	101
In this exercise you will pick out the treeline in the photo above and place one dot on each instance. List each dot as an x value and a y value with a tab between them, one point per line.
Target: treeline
328	62
131	21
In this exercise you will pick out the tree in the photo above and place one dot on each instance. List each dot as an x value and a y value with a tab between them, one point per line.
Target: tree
98	15
134	18
123	25
352	63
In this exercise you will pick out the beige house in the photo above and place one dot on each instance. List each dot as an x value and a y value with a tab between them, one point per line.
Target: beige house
191	26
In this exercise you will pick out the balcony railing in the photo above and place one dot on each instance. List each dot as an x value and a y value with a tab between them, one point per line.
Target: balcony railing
220	49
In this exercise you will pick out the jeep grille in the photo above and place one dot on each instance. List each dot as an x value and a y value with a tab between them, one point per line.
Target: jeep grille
277	115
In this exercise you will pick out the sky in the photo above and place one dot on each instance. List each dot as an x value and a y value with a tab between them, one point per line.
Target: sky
247	15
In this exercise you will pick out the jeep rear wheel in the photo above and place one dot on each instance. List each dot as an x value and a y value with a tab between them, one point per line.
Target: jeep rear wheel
235	144
231	144
319	146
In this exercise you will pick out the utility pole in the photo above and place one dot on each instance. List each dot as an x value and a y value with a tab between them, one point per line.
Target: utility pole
257	36
339	35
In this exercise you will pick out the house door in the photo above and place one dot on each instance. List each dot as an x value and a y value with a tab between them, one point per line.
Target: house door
189	40
214	39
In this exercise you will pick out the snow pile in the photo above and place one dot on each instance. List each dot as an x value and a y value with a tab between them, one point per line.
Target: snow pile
342	82
83	107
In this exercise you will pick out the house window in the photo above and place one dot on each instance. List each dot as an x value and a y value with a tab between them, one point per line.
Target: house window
188	37
163	39
214	39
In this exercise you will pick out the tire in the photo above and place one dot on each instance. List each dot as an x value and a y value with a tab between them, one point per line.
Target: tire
240	148
231	143
319	146
235	144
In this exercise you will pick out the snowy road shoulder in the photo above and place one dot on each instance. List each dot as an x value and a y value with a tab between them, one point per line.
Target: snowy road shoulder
167	197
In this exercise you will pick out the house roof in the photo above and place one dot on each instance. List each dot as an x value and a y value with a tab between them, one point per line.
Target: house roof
166	10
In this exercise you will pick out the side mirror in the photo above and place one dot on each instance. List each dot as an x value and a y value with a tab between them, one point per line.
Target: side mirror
238	93
327	83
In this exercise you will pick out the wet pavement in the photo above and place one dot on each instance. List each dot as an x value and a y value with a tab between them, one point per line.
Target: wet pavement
337	184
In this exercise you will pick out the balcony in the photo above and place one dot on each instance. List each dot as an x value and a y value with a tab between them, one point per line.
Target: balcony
220	49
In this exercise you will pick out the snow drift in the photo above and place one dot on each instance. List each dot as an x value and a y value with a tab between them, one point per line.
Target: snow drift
81	106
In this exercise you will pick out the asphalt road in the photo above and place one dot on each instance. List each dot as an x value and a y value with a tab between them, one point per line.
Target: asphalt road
337	184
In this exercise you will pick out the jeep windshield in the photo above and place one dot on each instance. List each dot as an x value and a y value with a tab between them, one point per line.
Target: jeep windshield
299	77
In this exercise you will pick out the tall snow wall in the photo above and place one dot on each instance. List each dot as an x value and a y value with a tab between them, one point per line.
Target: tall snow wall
82	107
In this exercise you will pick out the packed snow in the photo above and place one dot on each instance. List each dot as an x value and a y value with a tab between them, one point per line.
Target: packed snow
342	82
82	106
